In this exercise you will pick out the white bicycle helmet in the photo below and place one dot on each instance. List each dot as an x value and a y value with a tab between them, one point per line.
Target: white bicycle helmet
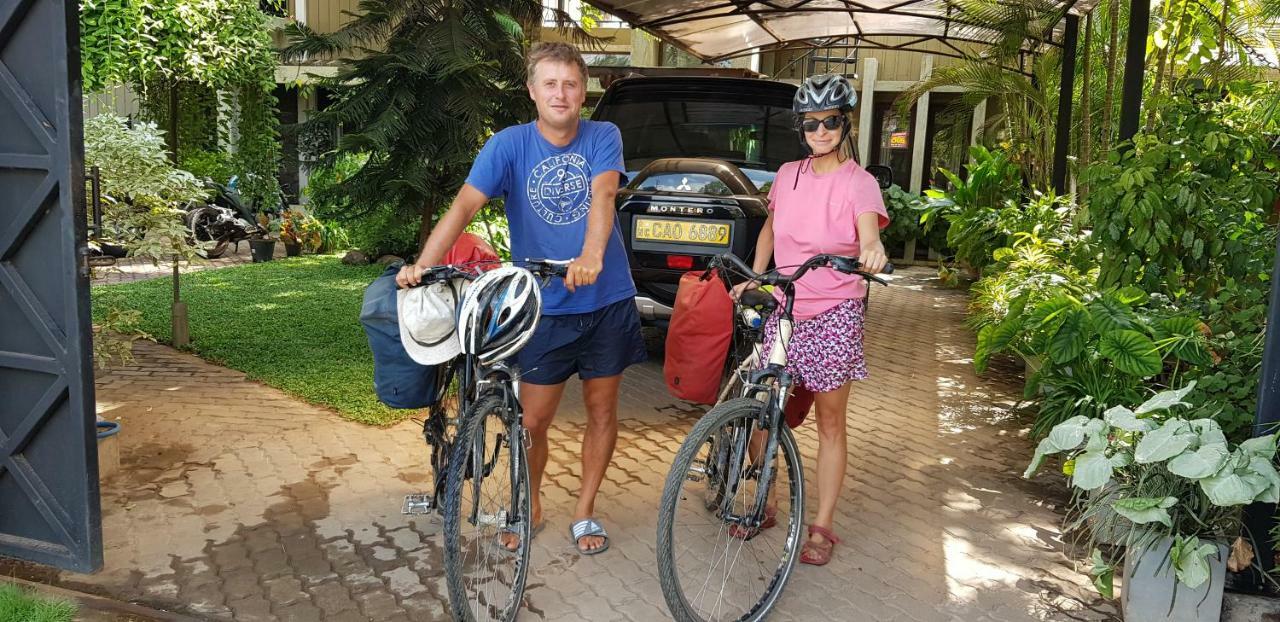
826	91
499	313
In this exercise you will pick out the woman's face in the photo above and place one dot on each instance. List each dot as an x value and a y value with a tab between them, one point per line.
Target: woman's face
822	139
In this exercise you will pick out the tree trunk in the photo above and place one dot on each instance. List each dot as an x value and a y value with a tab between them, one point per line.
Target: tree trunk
1113	19
1162	57
424	227
172	138
1162	64
1086	124
1222	38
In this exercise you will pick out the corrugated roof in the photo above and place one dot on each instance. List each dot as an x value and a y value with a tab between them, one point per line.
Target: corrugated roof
719	29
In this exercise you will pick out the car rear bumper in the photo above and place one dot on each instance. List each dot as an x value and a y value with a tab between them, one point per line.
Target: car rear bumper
651	310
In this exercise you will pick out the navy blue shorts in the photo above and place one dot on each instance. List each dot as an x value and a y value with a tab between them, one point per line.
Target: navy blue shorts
598	344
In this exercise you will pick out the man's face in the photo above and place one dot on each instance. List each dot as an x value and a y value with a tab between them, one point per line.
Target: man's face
559	92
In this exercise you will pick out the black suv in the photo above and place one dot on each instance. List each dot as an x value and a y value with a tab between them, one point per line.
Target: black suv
700	154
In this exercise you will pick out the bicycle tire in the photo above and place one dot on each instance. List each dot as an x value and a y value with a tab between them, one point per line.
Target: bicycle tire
711	424
491	410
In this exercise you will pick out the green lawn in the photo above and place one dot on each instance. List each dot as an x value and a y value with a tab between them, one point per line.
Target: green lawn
291	323
21	605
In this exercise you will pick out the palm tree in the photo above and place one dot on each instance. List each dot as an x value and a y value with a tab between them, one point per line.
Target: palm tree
421	84
1194	41
1025	97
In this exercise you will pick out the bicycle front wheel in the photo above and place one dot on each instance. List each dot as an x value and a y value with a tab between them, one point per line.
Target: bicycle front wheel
715	563
487	515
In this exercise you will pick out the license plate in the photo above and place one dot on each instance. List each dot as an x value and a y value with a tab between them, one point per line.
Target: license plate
682	231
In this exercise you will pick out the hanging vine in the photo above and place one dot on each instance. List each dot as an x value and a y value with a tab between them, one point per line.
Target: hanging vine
189	50
258	147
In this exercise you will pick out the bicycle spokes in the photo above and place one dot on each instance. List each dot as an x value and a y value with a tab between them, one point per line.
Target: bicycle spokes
728	560
487	517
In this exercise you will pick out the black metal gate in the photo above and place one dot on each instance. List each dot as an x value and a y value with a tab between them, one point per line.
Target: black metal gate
49	510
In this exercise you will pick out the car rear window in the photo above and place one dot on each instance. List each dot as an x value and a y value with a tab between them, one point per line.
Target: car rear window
758	138
698	183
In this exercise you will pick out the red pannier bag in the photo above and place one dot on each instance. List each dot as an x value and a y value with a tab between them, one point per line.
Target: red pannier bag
698	338
471	248
798	406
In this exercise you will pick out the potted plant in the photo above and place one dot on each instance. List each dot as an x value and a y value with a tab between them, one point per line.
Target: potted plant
1179	485
263	247
291	233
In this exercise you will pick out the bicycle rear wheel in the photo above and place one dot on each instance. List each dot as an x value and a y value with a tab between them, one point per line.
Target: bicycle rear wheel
711	566
487	516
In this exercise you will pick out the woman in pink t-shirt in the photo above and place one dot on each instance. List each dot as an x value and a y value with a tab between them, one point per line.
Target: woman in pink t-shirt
825	203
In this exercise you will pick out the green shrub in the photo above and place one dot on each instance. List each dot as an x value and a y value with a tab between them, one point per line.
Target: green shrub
216	165
969	213
379	231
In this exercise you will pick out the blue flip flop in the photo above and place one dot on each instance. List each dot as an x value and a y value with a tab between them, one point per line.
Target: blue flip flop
588	527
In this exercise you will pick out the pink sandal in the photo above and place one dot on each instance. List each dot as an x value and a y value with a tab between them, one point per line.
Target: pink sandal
818	554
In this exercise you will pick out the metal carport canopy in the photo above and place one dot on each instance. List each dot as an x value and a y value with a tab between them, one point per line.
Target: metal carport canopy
716	30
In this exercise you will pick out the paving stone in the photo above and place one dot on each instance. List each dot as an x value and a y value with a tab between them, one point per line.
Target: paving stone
256	608
378	604
299	612
404	582
297	511
348	615
331	597
284	590
406	540
240	583
272	563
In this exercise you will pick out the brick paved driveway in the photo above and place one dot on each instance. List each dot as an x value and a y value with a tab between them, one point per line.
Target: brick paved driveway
236	501
132	269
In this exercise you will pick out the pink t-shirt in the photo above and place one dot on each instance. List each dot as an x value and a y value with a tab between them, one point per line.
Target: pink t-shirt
818	216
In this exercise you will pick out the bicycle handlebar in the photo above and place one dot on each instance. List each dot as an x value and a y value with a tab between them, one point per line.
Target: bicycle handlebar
840	263
542	268
548	267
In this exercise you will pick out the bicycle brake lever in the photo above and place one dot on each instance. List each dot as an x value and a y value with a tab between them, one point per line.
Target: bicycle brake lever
872	277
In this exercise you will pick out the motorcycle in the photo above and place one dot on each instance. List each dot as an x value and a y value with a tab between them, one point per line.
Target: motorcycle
226	220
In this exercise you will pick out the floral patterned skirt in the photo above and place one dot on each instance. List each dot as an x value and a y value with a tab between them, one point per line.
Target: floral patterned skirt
825	351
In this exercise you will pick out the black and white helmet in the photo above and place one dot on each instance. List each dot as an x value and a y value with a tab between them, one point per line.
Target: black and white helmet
826	91
499	313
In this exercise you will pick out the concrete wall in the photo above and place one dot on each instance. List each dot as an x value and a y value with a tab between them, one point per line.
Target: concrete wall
120	101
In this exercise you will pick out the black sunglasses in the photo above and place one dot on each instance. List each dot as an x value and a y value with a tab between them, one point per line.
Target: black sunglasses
832	122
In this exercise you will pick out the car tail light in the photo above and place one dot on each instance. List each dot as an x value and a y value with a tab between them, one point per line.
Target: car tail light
680	262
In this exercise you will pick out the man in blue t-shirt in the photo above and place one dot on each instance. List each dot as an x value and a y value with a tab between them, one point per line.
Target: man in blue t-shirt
559	176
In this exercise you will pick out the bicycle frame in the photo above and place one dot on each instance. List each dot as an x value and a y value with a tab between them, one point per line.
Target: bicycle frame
770	385
497	379
478	382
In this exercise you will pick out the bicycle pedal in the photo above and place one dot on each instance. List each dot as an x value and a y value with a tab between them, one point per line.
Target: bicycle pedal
421	503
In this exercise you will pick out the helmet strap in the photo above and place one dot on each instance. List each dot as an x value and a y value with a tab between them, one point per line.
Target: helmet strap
844	136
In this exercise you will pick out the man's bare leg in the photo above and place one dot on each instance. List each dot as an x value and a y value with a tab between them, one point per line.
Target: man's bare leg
539	402
600	396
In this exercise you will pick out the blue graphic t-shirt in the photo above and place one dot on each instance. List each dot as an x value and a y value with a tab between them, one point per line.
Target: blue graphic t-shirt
547	190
